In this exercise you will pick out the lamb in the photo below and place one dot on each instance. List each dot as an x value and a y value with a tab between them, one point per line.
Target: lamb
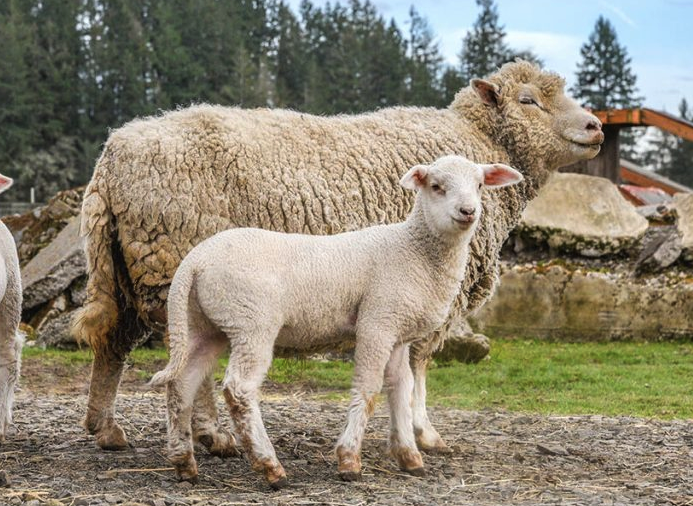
11	340
164	184
388	285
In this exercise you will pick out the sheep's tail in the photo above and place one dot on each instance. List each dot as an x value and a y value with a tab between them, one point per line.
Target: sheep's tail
178	303
95	321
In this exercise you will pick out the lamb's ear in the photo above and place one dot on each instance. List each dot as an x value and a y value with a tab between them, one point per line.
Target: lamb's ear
5	183
415	177
488	92
497	175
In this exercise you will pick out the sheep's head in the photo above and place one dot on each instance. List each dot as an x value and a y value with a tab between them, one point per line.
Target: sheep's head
5	183
528	111
449	190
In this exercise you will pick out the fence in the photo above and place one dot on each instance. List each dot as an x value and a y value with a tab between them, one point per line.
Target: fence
8	208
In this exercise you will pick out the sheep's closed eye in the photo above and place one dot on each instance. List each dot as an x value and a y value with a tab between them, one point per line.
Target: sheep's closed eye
438	189
529	101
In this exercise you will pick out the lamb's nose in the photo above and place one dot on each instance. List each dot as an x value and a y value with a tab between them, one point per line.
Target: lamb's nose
467	212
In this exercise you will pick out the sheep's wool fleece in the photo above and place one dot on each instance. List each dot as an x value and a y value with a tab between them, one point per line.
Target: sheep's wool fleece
166	183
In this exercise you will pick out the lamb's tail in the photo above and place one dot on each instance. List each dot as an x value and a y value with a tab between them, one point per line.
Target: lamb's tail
178	303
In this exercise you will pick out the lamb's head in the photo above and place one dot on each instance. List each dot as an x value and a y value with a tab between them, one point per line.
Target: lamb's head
527	111
5	183
449	191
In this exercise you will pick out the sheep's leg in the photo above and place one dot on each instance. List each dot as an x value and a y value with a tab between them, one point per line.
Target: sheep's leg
427	438
10	362
205	423
111	346
181	393
370	359
400	382
250	359
106	371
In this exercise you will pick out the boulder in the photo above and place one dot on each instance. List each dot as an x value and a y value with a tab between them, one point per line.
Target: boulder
683	204
56	332
55	267
556	302
575	213
464	345
661	249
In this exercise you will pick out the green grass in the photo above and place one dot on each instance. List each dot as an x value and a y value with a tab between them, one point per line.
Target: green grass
639	379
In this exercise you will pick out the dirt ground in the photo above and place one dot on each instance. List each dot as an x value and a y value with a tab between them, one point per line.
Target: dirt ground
498	458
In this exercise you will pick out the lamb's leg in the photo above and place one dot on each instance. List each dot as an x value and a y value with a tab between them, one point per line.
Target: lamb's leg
248	364
427	438
181	393
10	362
370	359
205	423
399	383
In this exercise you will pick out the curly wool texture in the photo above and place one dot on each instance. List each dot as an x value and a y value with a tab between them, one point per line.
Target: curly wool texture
163	184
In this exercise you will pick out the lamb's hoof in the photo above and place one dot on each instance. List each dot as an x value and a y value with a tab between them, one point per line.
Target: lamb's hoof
112	438
222	445
419	472
279	484
350	475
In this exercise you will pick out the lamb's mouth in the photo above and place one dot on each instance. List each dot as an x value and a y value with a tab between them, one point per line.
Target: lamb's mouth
464	223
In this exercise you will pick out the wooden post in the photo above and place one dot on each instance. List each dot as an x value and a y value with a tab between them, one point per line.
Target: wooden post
607	163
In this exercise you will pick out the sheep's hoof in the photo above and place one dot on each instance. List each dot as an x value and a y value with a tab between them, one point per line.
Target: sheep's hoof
419	472
112	439
350	475
220	445
437	450
431	445
279	484
188	472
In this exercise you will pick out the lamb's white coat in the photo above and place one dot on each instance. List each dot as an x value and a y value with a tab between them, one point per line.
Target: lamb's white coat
11	340
387	286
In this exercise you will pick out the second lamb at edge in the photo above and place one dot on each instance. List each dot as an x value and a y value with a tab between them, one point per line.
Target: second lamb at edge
385	286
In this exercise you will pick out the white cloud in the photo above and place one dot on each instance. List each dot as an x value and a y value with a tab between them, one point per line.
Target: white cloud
622	15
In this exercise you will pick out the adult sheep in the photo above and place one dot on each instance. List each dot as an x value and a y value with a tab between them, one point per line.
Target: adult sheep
164	184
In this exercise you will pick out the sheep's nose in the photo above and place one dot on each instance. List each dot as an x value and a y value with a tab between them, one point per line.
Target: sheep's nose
594	124
467	212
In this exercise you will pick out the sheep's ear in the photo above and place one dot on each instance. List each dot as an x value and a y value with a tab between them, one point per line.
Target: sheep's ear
497	175
415	178
5	183
488	92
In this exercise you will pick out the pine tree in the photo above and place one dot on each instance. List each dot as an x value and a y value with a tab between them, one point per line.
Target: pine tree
425	63
671	155
484	48
20	107
605	80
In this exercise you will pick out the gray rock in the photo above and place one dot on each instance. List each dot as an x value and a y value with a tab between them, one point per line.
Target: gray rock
56	332
560	303
683	204
55	267
660	251
582	214
464	345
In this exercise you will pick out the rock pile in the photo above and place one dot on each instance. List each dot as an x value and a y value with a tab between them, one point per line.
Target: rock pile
53	265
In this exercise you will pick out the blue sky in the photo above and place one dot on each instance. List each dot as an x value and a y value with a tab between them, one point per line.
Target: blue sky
658	35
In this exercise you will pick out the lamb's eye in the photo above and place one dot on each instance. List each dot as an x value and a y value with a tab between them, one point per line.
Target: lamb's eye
480	185
528	100
438	189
